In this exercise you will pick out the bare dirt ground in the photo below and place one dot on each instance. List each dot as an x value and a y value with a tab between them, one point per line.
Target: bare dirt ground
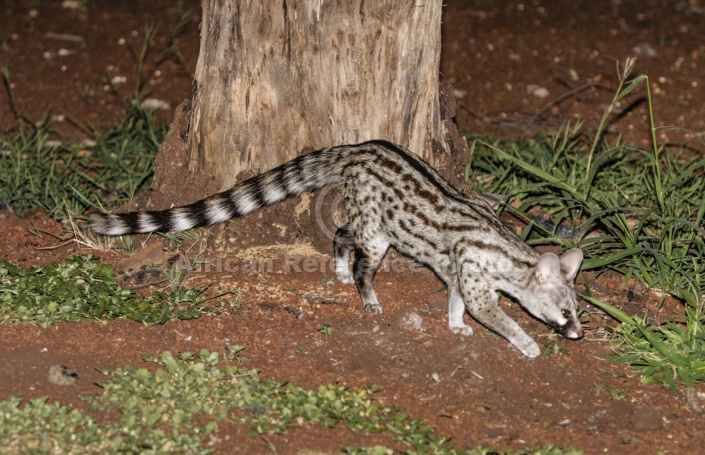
518	67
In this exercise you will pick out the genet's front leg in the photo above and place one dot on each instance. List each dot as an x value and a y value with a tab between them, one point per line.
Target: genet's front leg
483	305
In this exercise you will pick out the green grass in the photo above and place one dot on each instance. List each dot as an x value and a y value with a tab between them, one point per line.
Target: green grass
83	288
639	212
643	211
66	180
177	408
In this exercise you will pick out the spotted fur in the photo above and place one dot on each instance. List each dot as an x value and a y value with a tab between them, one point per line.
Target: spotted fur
393	198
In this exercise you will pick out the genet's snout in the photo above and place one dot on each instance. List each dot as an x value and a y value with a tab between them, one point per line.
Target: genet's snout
574	333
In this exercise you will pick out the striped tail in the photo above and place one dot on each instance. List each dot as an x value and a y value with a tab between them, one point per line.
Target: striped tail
300	175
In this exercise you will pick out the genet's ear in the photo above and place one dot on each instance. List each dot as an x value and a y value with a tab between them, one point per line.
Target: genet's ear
548	270
570	263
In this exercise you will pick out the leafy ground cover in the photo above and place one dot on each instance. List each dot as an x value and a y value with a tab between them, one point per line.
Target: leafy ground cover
636	210
616	202
162	412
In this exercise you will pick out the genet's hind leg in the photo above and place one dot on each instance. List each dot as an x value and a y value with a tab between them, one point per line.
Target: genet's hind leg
456	311
368	258
343	243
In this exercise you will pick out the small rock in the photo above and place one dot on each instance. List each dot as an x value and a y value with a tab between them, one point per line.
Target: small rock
645	49
146	257
62	375
407	319
539	92
646	419
296	312
155	104
694	400
141	278
72	4
315	297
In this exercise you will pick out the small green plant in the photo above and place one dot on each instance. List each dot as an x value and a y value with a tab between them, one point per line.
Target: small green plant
671	353
325	329
182	267
554	349
81	287
613	393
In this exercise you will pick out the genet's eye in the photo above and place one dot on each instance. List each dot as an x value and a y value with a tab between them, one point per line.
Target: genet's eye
566	314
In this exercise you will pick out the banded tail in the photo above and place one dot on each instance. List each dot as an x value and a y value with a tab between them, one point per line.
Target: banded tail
300	175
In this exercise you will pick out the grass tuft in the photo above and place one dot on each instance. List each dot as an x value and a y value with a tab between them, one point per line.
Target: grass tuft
634	211
67	180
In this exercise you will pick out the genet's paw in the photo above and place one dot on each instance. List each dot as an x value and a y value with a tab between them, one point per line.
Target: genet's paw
530	350
465	330
373	309
345	277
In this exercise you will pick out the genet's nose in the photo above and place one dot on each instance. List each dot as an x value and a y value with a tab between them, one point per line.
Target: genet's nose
572	332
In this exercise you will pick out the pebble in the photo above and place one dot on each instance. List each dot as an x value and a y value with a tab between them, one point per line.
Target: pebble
62	375
296	312
72	4
645	50
315	297
407	319
155	104
646	419
539	92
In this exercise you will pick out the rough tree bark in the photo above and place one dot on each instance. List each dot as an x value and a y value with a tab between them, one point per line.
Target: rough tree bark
276	79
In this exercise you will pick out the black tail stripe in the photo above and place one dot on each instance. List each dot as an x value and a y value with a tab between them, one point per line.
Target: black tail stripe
197	212
162	218
257	191
132	221
296	171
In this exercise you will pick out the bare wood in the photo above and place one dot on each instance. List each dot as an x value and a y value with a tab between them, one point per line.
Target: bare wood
276	78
